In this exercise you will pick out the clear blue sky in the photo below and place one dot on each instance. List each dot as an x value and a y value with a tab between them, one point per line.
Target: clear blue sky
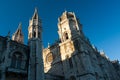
100	19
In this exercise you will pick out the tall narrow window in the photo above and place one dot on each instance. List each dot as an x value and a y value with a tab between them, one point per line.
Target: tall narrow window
13	63
66	36
18	63
16	60
34	34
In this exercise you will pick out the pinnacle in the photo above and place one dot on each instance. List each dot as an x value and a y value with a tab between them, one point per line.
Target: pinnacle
20	26
35	16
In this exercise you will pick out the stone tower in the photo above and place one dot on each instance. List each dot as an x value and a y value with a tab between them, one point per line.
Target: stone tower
35	71
18	35
71	35
68	29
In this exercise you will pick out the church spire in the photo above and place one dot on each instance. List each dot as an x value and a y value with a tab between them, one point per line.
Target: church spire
35	70
34	29
35	15
18	35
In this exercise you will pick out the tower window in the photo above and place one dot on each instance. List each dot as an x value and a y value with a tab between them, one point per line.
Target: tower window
34	34
35	17
19	60
13	63
16	60
66	36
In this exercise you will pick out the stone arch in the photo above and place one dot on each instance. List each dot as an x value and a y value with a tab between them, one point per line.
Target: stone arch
19	51
18	59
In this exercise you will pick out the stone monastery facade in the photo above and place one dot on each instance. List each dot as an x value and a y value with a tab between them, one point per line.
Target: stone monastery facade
72	57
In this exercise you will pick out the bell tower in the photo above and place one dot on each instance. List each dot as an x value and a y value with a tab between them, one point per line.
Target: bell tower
68	26
69	30
35	70
34	29
74	48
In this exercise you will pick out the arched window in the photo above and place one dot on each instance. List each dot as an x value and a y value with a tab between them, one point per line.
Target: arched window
66	36
19	60
34	34
16	60
13	61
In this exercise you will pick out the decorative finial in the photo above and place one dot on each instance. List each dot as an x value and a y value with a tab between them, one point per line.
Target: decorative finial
8	35
20	25
94	47
65	10
48	44
35	15
42	47
102	52
36	10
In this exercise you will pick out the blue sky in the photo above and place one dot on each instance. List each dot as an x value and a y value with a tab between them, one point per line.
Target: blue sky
100	20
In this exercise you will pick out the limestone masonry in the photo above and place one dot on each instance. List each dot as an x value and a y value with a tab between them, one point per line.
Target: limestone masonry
72	57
